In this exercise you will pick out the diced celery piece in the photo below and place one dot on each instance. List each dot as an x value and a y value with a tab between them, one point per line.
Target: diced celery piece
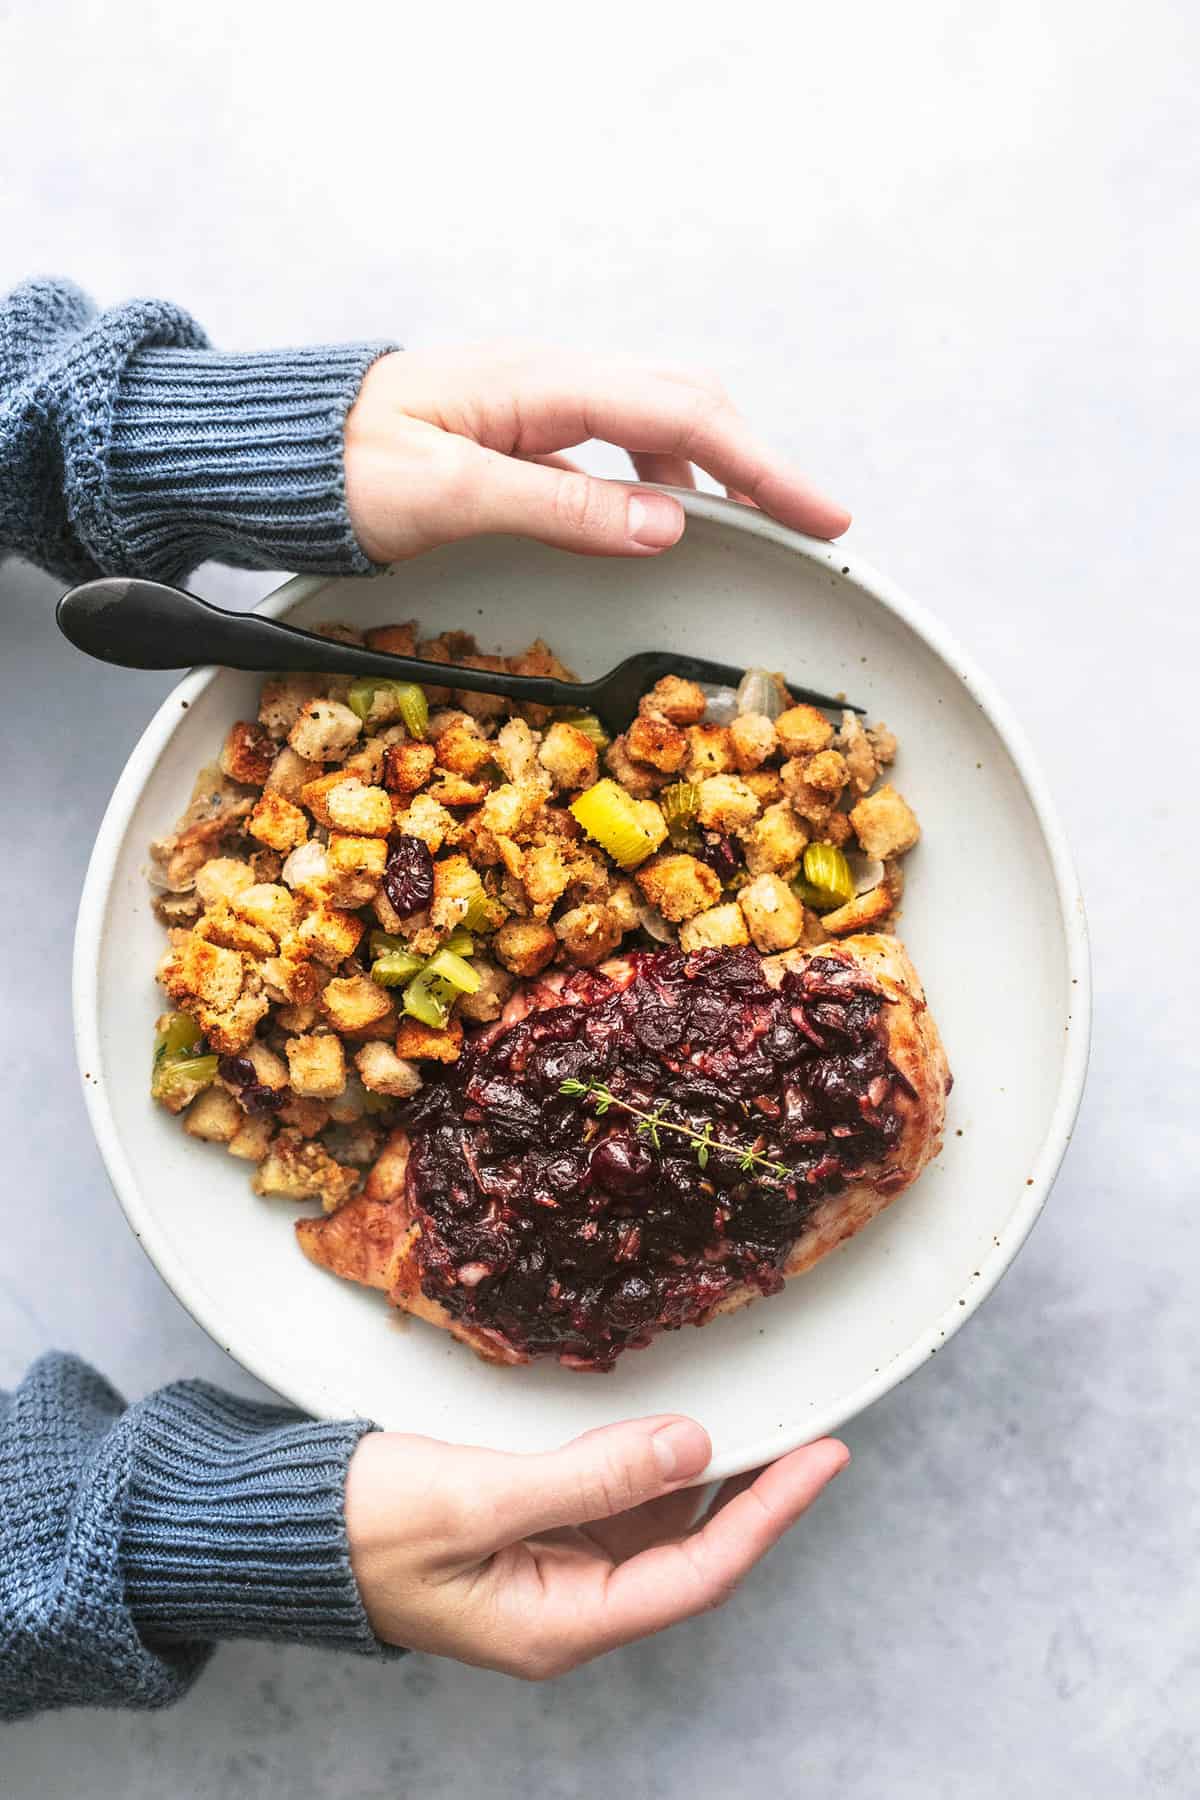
382	941
610	817
361	697
176	1075
177	1034
449	967
395	967
680	804
460	941
826	881
429	999
403	697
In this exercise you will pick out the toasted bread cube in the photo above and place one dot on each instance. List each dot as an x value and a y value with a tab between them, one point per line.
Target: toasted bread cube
269	1069
252	1139
836	830
883	743
315	796
682	702
230	1029
270	907
462	747
569	756
827	772
316	1065
223	878
546	873
449	789
808	801
491	996
711	930
324	731
330	934
300	1171
679	885
638	779
710	751
304	1114
854	744
775	841
885	823
765	785
509	808
408	766
364	811
590	932
773	915
394	640
423	1043
455	885
802	731
367	762
213	1115
358	1007
196	969
248	753
301	1016
219	924
290	774
727	804
383	1072
525	946
657	742
515	750
354	869
863	913
754	739
282	700
425	819
277	823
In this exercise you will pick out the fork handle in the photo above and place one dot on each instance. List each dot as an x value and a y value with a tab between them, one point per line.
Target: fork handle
140	624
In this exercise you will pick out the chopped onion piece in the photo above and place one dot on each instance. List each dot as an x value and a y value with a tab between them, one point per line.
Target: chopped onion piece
759	691
722	708
307	864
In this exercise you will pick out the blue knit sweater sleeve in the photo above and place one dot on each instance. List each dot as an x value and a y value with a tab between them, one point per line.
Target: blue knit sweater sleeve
132	1537
129	446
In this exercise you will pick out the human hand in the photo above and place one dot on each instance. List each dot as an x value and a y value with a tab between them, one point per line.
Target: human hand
442	445
534	1564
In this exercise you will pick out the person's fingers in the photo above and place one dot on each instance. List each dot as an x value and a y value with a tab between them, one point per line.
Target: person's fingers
559	462
569	509
672	471
658	1522
675	1581
652	415
598	1475
736	494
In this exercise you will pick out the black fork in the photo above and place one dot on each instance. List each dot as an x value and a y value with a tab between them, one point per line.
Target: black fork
148	625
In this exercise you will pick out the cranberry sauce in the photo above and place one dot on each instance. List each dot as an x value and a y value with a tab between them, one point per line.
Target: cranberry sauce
566	1229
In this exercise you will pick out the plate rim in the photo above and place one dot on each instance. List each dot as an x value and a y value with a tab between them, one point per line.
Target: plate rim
844	565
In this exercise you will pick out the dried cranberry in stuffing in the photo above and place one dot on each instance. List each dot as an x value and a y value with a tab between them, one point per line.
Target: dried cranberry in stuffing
408	876
716	849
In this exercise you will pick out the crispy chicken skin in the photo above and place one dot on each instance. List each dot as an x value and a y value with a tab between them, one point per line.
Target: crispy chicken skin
373	1238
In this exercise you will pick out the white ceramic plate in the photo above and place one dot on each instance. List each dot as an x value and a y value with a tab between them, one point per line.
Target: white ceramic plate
993	917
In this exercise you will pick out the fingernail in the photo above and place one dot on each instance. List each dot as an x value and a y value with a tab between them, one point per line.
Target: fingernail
682	1449
654	520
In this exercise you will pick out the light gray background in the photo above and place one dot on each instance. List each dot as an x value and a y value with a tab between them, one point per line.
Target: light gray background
946	255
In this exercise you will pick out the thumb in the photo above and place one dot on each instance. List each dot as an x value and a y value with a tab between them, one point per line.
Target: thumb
598	1475
571	510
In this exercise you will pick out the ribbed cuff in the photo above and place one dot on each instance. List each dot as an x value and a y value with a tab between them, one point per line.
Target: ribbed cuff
237	457
234	1523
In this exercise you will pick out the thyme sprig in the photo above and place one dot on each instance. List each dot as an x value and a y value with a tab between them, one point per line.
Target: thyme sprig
650	1124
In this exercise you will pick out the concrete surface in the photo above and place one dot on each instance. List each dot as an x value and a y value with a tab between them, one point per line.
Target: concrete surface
947	256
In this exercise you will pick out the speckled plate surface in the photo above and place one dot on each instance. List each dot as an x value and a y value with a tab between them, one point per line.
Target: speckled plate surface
993	918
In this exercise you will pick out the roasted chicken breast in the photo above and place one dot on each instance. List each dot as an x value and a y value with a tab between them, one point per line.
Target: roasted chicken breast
647	1145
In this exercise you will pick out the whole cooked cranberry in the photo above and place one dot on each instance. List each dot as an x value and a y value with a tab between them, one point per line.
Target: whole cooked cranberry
408	876
621	1163
238	1071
